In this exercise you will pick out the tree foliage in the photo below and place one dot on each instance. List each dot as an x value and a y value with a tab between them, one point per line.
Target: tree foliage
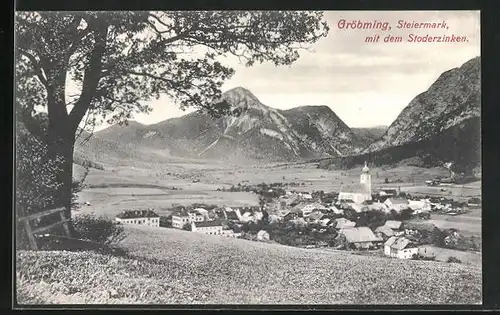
85	66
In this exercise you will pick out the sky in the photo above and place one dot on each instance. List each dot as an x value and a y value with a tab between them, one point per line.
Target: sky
365	84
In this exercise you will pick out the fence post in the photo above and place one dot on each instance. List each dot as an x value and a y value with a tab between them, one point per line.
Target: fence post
31	238
65	224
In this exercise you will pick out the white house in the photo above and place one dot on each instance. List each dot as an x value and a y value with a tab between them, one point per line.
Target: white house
196	216
396	204
419	206
263	236
180	218
307	209
144	217
207	227
203	212
400	247
335	209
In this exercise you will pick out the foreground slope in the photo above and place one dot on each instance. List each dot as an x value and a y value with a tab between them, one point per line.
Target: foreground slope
168	266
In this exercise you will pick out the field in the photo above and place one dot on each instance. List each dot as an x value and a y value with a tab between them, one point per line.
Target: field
442	254
468	224
199	181
167	266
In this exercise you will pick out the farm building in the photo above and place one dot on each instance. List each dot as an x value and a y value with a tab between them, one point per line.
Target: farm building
394	225
359	238
207	227
419	206
384	232
400	247
343	223
146	217
397	204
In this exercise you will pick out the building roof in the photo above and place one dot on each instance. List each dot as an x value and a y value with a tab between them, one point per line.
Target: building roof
343	223
207	223
357	207
355	188
316	215
384	230
398	243
395	225
359	235
231	215
180	213
398	201
131	214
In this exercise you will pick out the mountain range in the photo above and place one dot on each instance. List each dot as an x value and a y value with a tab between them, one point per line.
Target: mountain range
440	124
254	132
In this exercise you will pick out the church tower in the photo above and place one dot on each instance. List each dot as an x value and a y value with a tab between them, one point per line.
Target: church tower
366	179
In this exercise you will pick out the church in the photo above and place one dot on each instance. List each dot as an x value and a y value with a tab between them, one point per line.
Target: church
360	192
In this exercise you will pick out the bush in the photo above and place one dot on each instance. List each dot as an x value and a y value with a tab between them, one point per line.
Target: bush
98	229
166	221
453	259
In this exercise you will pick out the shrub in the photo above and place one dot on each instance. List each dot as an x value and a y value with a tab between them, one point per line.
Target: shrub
166	221
186	227
453	259
98	229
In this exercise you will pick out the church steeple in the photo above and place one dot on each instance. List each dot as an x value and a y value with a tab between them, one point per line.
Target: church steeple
365	178
366	169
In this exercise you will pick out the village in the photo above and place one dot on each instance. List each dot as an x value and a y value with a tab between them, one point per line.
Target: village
356	218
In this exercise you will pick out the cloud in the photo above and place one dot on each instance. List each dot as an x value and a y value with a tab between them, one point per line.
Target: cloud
364	83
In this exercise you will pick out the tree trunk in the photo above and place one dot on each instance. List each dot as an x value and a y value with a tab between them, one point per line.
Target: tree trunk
61	147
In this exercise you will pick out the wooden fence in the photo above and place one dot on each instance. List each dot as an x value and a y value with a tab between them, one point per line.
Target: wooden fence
31	233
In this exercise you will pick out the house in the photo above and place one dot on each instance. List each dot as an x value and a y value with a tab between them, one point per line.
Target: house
419	206
335	209
394	225
388	193
207	227
230	233
358	207
360	238
263	236
343	223
145	217
397	204
400	247
384	232
308	208
315	216
195	216
180	218
203	212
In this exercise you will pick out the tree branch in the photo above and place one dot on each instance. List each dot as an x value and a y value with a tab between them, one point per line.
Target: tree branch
36	65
